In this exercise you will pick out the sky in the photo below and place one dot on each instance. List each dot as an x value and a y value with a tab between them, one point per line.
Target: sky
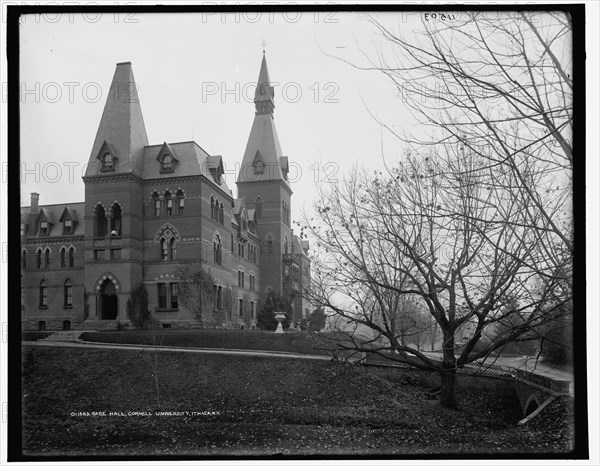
196	75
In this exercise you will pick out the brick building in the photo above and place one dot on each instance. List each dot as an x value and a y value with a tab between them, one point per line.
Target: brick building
149	209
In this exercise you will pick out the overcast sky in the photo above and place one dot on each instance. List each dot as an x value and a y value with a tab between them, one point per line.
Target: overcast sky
196	75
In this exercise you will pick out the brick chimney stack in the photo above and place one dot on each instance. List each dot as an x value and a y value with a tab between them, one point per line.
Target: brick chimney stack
35	197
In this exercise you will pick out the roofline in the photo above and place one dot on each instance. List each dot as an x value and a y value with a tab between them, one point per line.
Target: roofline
59	203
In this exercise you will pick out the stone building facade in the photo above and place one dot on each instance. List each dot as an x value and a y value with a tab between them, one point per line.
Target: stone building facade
151	209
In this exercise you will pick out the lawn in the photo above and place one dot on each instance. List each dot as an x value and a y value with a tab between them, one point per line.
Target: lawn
293	342
260	406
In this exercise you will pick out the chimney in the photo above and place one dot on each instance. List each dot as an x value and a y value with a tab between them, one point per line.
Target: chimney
34	203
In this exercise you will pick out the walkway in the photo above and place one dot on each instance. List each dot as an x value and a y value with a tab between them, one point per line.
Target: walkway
131	347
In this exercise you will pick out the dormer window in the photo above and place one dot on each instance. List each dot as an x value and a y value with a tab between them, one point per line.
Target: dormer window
43	228
108	163
67	227
259	167
167	163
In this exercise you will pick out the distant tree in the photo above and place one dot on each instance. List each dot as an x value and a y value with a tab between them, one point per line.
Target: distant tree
137	307
86	304
557	336
269	305
317	319
247	319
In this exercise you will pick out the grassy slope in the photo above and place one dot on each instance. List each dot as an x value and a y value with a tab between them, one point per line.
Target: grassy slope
265	406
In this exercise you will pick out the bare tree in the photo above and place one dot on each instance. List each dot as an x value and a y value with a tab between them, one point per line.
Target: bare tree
196	291
437	231
478	214
499	83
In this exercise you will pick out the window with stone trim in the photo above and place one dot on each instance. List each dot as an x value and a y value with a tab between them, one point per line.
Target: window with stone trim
68	293
180	202
43	294
168	203
217	250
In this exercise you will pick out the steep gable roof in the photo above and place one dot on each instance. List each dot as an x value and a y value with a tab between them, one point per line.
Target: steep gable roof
121	125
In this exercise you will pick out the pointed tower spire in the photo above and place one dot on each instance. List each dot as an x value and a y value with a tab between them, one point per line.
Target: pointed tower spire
264	96
263	158
121	136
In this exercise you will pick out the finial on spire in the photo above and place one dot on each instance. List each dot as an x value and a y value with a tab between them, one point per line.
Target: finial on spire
264	45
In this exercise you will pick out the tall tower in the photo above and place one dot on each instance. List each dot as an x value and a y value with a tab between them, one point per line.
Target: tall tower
263	182
113	201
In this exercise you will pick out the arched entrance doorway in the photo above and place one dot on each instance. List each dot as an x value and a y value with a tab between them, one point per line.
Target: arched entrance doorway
109	306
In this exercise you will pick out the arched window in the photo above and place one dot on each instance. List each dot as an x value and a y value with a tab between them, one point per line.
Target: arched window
63	257
221	214
47	259
172	249
169	203
71	256
217	249
156	203
180	202
68	293
212	207
116	220
24	260
108	163
100	220
38	259
167	163
258	211
285	245
164	249
43	298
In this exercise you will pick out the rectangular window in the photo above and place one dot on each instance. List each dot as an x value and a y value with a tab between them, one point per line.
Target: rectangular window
157	208
115	254
181	206
239	278
241	304
68	226
98	254
252	309
169	206
243	284
220	298
162	295
43	228
215	298
174	302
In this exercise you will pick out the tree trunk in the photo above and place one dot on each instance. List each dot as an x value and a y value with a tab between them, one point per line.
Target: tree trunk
447	394
448	374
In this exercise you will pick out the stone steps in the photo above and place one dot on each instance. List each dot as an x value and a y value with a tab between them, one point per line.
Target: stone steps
64	335
94	325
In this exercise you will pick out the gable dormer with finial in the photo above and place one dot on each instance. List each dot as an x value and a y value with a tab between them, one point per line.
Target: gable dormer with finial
166	158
